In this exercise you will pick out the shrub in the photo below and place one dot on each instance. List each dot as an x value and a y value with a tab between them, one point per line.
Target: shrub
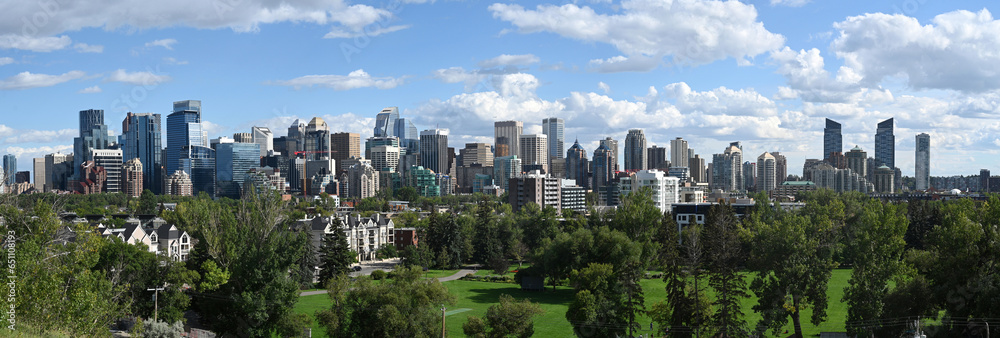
378	275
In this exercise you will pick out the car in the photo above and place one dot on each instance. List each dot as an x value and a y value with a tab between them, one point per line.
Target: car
356	268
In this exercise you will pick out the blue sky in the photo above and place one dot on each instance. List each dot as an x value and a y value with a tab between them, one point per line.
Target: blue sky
762	72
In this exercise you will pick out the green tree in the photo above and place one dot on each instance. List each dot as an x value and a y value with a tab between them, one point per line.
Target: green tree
445	240
307	264
488	240
336	256
405	306
597	309
876	246
725	258
147	203
509	318
680	314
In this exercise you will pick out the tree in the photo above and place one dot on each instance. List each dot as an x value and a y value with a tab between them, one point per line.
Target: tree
509	318
336	256
877	247
597	308
405	306
680	314
147	203
305	274
445	240
725	259
162	329
488	240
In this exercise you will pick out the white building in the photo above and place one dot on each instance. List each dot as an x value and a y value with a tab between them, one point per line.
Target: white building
664	189
111	161
534	150
365	235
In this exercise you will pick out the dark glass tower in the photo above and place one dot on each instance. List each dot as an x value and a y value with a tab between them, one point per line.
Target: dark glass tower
885	145
93	135
833	140
385	122
200	162
184	132
232	162
143	141
576	165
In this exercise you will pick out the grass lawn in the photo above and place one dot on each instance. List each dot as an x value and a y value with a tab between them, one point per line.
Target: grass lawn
476	297
439	273
510	270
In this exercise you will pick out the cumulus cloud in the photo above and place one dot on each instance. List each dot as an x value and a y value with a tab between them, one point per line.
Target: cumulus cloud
356	79
509	60
37	136
686	32
31	43
27	80
604	87
6	61
958	50
85	48
137	78
165	43
808	79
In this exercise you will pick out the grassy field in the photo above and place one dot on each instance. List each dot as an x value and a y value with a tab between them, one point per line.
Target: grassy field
475	297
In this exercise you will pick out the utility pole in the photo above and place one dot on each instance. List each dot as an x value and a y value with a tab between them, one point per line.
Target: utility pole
443	332
156	301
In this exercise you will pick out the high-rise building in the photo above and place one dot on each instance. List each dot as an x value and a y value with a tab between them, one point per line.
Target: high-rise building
885	145
507	134
602	167
476	153
111	161
534	151
362	181
922	165
345	145
697	166
409	139
232	163
295	141
780	168
93	135
385	122
679	156
535	187
243	138
727	169
179	184
265	138
884	180
58	170
832	139
133	177
385	158
39	166
749	176
505	168
434	150
185	135
767	177
826	176
9	169
553	129
91	179
635	150
143	141
372	142
984	180
857	161
577	166
665	189
612	145
200	163
317	140
656	158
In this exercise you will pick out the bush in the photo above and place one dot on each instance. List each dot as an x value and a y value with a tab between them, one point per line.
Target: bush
378	275
162	329
490	278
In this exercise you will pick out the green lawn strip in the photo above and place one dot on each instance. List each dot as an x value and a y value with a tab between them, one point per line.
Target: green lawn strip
439	273
510	271
309	305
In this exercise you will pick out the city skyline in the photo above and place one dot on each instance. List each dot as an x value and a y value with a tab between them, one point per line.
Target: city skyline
771	92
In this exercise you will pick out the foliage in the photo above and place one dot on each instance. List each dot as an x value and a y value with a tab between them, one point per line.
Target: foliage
597	309
725	259
378	275
405	306
509	318
680	314
445	240
162	329
336	256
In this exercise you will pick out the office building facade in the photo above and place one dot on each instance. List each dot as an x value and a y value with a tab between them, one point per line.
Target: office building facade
507	137
434	150
9	169
553	128
612	146
345	146
263	137
679	156
635	150
143	141
656	158
133	178
885	145
232	163
922	165
833	140
534	151
111	161
577	166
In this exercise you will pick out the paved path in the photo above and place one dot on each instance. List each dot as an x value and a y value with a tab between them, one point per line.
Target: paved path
456	276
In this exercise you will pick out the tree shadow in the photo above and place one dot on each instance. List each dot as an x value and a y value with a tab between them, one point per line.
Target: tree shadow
562	295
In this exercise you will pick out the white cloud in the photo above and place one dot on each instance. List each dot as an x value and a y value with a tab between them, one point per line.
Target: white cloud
687	32
625	64
27	80
90	90
789	3
173	61
958	50
6	61
509	60
604	87
38	136
342	33
136	78
808	80
85	48
165	43
356	79
721	101
34	44
25	154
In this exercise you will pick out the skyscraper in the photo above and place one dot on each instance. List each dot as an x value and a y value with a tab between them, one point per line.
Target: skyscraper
476	153
200	162
679	154
885	145
553	129
780	168
857	161
656	158
93	135
507	135
434	150
111	161
232	162
534	150
179	184
133	178
295	140
39	164
697	166
602	167
184	134
505	168
243	138
727	169
577	166
385	158
385	122
265	138
408	136
984	180
612	145
317	140
58	169
635	150
922	165
766	172
345	146
143	141
9	168
832	139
